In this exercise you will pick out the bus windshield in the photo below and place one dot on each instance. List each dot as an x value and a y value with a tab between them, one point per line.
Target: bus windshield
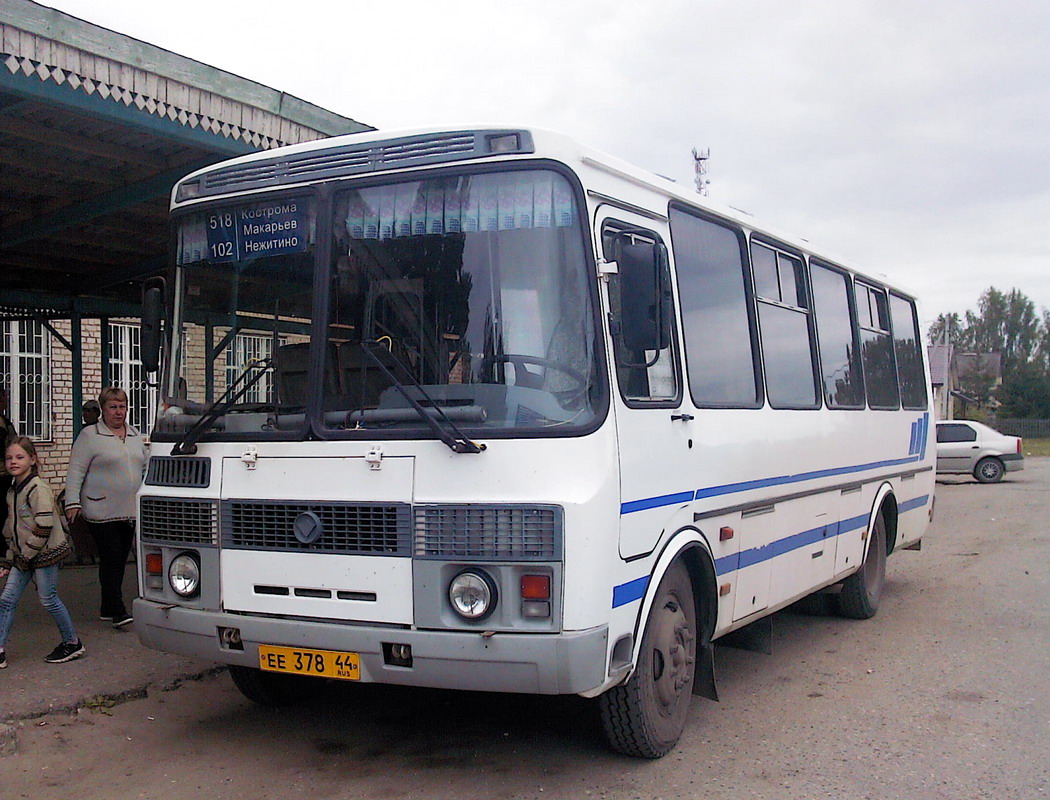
464	298
471	292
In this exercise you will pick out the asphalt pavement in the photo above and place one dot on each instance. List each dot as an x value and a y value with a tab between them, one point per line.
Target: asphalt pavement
115	667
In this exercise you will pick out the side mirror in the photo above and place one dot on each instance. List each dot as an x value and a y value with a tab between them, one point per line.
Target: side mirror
152	314
645	292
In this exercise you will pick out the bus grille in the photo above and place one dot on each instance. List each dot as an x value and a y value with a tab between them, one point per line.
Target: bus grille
354	159
520	533
353	528
170	471
165	519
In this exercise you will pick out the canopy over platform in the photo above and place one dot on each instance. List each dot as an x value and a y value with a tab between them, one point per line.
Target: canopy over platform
95	128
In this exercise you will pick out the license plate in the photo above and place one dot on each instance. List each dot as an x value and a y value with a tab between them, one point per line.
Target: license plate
318	663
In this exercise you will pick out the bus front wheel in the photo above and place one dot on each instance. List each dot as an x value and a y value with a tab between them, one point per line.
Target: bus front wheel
646	716
862	591
273	689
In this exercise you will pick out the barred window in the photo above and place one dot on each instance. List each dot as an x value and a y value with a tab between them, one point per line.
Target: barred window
125	371
250	351
25	371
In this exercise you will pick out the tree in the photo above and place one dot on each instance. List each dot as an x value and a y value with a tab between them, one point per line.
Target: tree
1026	394
1004	323
947	329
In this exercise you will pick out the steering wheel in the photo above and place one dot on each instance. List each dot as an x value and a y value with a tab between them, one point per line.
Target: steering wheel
530	380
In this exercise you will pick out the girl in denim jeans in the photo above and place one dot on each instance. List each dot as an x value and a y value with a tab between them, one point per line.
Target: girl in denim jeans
36	543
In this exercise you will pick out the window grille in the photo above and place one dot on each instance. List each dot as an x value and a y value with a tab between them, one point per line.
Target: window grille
125	371
25	371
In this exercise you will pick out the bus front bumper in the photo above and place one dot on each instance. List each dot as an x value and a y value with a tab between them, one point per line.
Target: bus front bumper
564	663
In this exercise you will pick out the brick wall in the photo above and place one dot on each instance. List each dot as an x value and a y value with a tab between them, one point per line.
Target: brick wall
54	454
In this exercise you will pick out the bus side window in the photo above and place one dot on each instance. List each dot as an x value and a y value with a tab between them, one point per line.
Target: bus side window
907	345
714	292
880	369
839	344
641	311
783	319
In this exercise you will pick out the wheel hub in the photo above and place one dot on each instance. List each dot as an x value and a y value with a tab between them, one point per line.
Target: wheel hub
672	654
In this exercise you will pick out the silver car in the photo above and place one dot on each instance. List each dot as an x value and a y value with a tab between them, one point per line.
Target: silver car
967	447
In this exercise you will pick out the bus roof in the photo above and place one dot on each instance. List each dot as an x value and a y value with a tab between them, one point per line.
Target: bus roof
369	152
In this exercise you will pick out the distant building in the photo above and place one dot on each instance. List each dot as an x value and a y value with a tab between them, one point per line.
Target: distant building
943	380
969	380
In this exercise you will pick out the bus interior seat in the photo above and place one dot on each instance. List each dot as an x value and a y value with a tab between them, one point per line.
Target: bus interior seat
360	380
292	367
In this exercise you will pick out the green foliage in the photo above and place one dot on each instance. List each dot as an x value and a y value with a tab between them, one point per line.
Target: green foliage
1025	394
950	323
1006	323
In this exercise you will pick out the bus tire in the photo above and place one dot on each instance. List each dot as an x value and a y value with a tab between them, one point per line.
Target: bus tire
273	689
989	470
646	716
862	591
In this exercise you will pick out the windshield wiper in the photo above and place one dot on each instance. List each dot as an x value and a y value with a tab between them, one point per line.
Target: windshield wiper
451	435
187	444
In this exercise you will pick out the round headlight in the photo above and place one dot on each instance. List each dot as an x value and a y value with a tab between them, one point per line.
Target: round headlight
472	594
184	575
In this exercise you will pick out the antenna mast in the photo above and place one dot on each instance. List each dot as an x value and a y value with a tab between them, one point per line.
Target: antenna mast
700	166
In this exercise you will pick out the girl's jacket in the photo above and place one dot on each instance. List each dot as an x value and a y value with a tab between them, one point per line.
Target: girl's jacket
32	532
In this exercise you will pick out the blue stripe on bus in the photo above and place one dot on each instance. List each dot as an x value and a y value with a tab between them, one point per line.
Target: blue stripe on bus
635	590
744	486
911	505
656	502
763	483
629	592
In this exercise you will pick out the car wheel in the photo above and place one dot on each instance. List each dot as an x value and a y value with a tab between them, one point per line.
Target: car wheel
989	470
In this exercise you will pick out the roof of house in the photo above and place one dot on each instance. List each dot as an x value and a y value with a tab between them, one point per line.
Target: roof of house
990	364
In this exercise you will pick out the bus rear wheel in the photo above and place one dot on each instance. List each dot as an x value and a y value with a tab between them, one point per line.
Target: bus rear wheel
273	689
862	591
646	716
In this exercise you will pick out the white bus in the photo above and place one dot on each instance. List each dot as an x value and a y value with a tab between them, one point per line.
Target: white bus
485	409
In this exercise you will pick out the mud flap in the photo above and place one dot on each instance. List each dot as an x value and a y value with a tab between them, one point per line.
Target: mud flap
704	680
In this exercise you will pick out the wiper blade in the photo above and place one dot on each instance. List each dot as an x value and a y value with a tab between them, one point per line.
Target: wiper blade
450	433
187	444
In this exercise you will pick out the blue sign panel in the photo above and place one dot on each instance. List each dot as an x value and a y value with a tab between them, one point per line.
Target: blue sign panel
265	229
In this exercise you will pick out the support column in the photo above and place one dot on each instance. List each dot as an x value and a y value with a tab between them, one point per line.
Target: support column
107	378
77	340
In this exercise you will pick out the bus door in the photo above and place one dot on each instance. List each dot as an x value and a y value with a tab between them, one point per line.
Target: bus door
652	431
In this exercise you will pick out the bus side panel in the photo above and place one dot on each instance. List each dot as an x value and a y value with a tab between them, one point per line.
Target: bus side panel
807	543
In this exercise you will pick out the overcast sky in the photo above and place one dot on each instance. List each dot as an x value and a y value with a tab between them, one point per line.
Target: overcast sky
910	138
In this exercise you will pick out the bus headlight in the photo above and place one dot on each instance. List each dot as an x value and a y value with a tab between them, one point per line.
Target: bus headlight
472	594
184	575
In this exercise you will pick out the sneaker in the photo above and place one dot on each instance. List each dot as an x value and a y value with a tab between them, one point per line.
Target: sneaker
3	660
104	618
121	620
66	652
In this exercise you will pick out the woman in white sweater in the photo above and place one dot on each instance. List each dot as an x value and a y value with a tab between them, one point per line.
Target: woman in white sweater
105	470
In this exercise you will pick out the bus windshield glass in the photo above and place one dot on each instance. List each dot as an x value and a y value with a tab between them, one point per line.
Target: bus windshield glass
463	297
244	286
453	304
